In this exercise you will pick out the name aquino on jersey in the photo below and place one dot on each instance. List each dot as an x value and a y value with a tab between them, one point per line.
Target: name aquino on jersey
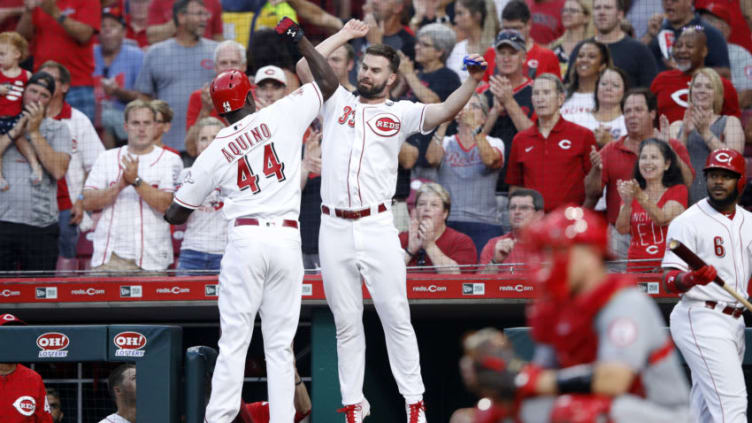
245	141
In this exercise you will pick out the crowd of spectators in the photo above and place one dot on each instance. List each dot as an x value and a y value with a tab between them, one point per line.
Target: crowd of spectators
611	104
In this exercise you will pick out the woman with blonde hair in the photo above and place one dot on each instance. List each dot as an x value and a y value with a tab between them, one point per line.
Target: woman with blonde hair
703	128
575	17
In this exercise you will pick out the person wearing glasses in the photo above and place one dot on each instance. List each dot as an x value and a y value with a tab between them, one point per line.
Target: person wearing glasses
689	53
469	164
429	242
525	207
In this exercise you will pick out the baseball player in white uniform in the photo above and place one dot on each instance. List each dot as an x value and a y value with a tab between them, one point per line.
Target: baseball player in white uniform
362	136
707	324
256	163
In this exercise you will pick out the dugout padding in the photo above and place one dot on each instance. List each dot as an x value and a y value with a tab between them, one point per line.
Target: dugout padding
155	349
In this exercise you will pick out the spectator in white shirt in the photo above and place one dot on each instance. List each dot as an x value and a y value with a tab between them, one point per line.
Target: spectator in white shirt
133	185
206	232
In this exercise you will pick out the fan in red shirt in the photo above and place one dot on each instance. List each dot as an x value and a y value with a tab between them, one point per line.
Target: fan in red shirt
525	207
672	86
650	202
429	242
162	26
539	60
63	31
616	161
552	156
23	398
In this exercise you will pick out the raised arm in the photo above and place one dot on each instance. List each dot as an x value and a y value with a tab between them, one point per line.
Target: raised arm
352	29
441	112
319	66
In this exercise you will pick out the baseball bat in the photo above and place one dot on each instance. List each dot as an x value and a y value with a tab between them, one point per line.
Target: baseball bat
695	263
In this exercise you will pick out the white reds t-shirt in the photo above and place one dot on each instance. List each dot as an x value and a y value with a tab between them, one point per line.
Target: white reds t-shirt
206	229
360	148
85	149
724	243
250	160
130	227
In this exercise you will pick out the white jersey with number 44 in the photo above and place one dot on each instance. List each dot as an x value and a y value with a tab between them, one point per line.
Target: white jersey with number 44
251	160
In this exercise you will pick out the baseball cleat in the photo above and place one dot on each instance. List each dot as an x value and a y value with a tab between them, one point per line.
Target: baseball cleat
355	413
416	412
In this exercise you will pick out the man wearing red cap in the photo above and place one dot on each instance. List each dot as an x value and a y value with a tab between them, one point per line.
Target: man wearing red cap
22	395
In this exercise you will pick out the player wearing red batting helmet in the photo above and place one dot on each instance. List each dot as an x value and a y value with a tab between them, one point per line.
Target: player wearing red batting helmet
601	352
229	91
731	160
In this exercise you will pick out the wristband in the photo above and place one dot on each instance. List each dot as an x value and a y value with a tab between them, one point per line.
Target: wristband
299	382
80	197
409	253
575	380
61	19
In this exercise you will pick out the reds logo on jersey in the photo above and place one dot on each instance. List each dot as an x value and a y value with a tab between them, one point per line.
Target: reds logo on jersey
681	97
25	405
565	144
384	124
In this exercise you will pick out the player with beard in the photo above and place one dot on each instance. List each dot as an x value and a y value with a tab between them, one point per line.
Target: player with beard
362	136
706	324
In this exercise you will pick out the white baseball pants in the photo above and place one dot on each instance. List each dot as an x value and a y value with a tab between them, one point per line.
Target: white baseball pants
712	344
368	248
262	270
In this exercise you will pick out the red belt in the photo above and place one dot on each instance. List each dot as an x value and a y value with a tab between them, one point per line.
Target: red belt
731	311
247	221
352	214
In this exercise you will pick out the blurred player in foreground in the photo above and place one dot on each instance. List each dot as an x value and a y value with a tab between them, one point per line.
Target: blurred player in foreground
602	353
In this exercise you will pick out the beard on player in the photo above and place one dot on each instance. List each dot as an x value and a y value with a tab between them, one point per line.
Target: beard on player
721	198
375	91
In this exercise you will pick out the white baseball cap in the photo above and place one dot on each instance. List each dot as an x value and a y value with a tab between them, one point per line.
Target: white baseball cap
270	72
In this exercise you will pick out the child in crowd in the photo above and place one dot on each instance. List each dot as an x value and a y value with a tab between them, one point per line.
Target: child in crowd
13	79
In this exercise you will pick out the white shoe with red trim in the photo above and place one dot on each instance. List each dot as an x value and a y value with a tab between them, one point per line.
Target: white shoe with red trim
416	412
355	413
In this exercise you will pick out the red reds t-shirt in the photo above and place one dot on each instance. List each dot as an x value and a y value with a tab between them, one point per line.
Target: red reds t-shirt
23	398
160	12
194	108
555	166
259	412
618	164
455	245
51	42
649	239
546	18
517	255
138	36
672	89
11	104
539	60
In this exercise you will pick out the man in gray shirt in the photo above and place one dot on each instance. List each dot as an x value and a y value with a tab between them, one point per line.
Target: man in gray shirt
176	67
28	212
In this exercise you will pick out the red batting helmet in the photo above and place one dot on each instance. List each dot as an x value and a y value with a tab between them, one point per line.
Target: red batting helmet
731	160
229	90
562	228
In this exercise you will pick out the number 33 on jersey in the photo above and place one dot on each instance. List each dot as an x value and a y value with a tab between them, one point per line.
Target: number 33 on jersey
252	159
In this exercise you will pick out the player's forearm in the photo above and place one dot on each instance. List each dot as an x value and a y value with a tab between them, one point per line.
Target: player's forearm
320	69
442	112
155	198
54	162
302	400
441	261
326	48
177	214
